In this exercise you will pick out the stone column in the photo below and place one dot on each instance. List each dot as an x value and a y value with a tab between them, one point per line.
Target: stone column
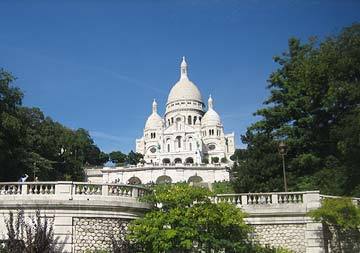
314	236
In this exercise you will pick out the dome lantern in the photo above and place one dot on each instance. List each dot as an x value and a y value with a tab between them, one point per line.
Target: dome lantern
183	68
210	102
154	106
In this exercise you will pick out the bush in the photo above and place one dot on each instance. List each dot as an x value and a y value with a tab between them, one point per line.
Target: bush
341	219
36	236
222	187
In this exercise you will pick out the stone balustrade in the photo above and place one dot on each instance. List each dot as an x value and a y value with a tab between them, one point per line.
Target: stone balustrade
253	199
70	189
84	215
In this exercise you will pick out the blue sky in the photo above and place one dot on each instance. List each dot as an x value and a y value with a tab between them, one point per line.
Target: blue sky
99	64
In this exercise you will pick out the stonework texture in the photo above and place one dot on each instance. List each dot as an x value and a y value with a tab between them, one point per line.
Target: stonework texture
90	234
290	236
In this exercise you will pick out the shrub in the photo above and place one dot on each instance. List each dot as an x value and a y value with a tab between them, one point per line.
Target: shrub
35	236
341	219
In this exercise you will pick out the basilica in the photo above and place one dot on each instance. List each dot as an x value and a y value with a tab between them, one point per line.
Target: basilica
188	133
187	144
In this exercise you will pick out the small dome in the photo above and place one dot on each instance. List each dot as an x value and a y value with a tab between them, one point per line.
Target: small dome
211	118
154	121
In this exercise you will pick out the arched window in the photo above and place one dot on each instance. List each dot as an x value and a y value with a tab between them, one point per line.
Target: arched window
200	119
189	160
164	180
168	122
209	131
195	119
190	143
178	140
168	148
178	160
189	120
166	160
134	180
172	120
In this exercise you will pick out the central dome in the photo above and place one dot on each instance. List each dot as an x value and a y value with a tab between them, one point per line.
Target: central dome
184	89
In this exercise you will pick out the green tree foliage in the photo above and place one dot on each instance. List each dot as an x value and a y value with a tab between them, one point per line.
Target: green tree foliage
32	143
134	158
314	107
185	220
341	219
117	157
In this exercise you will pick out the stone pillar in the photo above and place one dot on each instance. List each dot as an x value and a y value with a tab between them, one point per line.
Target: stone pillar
244	200
274	198
314	235
104	190
63	231
63	190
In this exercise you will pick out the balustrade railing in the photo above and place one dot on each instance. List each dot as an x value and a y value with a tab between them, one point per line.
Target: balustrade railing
70	190
290	198
40	188
271	198
10	189
87	189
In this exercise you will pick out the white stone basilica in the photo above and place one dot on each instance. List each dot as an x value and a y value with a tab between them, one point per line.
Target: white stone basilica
186	134
187	144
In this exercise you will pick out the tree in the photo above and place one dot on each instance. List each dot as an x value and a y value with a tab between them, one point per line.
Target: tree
314	107
133	158
185	220
341	219
117	157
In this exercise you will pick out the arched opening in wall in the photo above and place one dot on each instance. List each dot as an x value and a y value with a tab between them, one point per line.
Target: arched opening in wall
215	159
177	160
195	119
189	120
189	160
166	160
134	180
164	180
195	179
168	148
178	141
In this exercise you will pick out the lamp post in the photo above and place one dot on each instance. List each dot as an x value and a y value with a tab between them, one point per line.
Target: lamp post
283	152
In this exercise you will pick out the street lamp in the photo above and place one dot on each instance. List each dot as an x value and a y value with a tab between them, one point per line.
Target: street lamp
283	152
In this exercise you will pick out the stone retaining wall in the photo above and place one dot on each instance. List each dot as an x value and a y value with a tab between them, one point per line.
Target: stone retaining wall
97	233
290	236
